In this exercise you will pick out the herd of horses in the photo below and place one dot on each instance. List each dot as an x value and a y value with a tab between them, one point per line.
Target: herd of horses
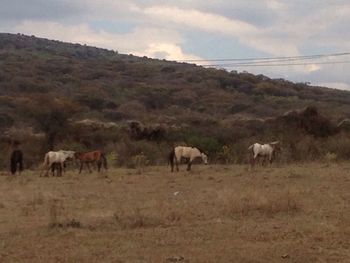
56	160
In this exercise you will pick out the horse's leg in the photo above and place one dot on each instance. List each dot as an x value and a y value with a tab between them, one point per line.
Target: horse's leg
177	164
81	166
171	162
252	161
42	170
266	161
189	165
20	166
88	166
60	169
13	168
271	159
99	165
53	169
47	169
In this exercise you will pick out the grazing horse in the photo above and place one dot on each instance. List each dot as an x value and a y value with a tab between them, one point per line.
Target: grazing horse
91	157
263	150
54	159
190	153
16	160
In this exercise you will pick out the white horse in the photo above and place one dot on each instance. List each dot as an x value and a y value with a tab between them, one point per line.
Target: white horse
56	158
190	153
263	150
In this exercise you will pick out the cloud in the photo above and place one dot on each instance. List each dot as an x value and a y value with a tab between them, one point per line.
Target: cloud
152	42
17	10
167	51
247	33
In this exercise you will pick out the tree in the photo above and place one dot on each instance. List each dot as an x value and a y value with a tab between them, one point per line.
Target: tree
52	118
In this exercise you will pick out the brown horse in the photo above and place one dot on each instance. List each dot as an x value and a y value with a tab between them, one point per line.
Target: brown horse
91	157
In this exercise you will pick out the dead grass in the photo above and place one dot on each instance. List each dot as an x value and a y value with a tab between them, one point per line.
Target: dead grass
261	202
137	219
297	213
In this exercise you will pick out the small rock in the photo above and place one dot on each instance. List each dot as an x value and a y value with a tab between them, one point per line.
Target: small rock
285	256
175	259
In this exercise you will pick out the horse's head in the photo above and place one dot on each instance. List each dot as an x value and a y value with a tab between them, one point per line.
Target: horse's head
204	158
276	146
69	155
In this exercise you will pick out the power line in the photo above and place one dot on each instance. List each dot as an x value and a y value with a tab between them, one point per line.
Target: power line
278	65
317	56
270	61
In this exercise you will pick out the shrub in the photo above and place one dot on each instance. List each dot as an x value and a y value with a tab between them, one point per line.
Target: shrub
330	157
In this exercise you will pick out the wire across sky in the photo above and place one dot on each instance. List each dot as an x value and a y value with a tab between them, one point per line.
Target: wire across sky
318	59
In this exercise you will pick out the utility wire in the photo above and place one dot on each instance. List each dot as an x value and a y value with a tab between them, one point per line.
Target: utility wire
269	61
270	58
274	65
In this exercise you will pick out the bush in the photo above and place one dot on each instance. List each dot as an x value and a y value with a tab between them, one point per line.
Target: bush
330	157
207	144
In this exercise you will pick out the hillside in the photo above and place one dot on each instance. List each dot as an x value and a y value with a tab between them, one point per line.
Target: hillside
53	92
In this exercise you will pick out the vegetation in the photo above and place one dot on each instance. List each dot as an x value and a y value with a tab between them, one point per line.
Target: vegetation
69	95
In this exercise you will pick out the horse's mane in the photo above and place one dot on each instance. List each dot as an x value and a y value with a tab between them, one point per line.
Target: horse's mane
200	150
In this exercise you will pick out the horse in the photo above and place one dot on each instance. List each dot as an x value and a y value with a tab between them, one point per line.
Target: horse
53	159
16	161
190	153
266	151
92	157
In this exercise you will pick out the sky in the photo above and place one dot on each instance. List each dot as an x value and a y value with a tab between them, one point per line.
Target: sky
201	30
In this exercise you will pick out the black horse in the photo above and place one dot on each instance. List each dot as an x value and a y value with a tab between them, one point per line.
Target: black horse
16	161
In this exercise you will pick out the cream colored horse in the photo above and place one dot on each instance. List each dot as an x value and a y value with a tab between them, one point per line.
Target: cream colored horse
56	157
266	151
189	153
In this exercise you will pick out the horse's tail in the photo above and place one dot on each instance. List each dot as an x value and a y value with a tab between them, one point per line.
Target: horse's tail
47	160
46	163
104	160
251	154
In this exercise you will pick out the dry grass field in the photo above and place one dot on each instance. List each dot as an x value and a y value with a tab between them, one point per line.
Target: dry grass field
292	213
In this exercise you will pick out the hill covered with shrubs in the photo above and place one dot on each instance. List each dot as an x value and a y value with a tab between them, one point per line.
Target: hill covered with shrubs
61	95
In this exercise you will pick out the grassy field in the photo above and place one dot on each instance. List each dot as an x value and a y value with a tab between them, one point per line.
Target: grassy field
293	213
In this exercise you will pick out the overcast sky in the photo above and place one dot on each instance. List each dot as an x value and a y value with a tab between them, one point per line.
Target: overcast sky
197	29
